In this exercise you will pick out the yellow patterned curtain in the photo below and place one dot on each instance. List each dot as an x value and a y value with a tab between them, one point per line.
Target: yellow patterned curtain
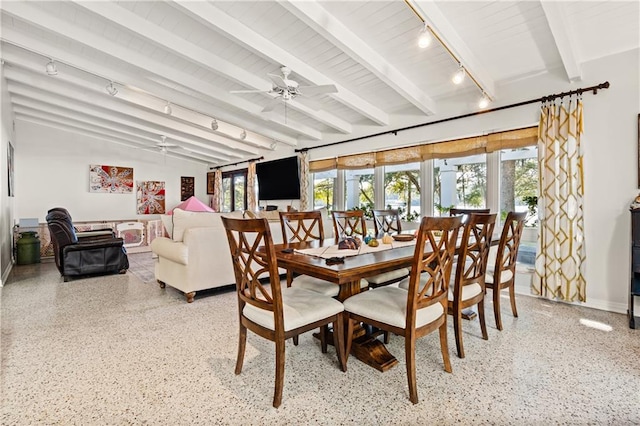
217	191
560	259
304	181
252	188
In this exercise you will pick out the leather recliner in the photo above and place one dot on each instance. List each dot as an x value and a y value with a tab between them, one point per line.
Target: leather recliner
89	255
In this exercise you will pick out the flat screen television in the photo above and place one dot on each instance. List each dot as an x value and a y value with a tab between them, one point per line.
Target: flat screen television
279	179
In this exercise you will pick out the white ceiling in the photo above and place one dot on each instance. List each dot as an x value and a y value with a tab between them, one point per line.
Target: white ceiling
192	54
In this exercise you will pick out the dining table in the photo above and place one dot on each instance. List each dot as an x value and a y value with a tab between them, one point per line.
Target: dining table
347	274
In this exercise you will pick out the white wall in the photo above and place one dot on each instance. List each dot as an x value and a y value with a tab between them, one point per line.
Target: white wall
610	146
52	170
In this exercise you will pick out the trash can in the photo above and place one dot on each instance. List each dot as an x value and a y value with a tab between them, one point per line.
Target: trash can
28	248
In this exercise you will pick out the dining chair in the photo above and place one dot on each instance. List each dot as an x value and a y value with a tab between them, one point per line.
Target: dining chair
464	212
275	313
352	223
300	227
502	274
423	308
467	287
386	221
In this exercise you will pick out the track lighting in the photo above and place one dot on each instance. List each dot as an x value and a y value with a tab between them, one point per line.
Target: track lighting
243	135
458	77
424	39
51	68
167	109
484	101
111	89
214	124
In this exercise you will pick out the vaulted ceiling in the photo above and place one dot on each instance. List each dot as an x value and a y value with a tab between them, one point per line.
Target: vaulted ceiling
194	56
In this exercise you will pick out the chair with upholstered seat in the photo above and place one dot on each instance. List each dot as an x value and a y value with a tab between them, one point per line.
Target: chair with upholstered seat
423	308
464	212
467	287
351	223
275	313
387	221
502	273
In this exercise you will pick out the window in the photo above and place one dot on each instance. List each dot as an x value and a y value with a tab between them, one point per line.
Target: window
234	190
359	190
402	190
519	182
324	185
459	182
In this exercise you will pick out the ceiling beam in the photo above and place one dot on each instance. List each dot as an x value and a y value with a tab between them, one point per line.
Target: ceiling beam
325	24
14	39
114	109
231	28
434	17
73	129
98	126
36	16
559	29
179	46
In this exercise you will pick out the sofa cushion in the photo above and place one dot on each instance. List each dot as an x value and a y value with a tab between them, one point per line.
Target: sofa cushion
183	220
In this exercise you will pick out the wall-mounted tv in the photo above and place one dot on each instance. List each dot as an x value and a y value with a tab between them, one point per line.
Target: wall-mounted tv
279	179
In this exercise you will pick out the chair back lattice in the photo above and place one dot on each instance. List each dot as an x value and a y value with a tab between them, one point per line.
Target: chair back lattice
386	221
301	226
257	279
509	243
474	251
432	263
465	213
349	224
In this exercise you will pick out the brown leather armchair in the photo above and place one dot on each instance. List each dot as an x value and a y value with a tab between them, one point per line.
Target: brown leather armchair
88	255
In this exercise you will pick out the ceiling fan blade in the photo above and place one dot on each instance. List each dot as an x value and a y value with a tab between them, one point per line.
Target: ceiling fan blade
272	104
278	81
248	91
317	90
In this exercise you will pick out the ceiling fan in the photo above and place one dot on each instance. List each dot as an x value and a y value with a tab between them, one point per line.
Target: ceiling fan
163	146
286	89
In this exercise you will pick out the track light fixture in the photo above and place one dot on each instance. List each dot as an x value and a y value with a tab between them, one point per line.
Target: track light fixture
51	68
424	39
214	124
484	101
458	77
243	134
167	109
111	89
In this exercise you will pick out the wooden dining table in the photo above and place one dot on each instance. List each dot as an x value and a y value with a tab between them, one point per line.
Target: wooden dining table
365	346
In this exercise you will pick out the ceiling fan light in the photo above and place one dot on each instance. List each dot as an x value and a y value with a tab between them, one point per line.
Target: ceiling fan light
111	89
51	68
458	77
167	109
484	101
424	39
214	124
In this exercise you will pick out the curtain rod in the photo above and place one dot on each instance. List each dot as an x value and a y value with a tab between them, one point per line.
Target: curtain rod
236	163
594	89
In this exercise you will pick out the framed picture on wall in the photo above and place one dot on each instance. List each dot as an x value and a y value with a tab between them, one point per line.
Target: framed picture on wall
211	182
186	187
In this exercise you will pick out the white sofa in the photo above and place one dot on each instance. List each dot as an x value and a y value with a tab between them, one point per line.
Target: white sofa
197	257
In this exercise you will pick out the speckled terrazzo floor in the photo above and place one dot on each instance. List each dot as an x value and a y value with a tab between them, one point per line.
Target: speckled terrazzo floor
117	351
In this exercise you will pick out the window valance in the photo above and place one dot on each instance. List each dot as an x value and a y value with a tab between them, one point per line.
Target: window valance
511	139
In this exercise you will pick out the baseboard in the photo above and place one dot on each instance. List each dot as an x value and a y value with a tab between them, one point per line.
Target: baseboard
5	274
523	286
